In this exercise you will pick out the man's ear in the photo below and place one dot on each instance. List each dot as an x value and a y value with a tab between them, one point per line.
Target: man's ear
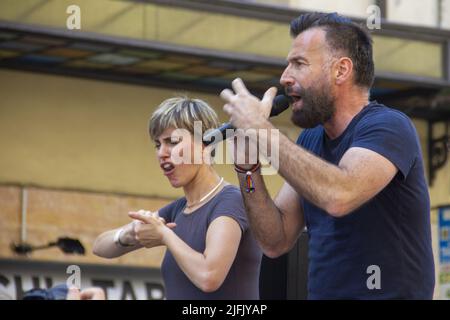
343	70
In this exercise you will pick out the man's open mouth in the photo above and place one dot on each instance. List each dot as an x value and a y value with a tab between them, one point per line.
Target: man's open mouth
296	98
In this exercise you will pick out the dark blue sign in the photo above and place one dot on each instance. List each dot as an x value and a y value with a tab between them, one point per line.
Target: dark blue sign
444	234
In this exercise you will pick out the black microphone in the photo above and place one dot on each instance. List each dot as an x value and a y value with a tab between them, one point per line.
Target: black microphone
279	104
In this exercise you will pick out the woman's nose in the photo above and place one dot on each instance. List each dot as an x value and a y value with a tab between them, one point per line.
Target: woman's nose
163	151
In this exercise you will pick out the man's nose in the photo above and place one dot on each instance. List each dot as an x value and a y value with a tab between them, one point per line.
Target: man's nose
286	79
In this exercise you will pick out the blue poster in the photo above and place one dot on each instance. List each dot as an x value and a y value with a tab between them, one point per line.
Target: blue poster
444	235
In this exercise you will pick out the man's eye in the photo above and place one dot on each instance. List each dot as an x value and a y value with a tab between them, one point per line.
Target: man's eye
157	146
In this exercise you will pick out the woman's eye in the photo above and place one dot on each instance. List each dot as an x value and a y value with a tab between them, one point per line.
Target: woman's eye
157	146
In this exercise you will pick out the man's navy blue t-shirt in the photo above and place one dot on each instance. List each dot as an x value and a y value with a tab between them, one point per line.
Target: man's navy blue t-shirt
391	231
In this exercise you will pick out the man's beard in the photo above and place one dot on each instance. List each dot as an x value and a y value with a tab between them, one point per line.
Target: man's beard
317	106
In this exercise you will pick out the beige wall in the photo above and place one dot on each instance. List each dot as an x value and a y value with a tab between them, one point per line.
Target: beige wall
81	134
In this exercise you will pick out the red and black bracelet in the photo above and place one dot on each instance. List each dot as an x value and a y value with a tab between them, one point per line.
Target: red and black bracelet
250	186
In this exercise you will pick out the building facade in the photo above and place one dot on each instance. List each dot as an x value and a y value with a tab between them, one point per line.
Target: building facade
80	78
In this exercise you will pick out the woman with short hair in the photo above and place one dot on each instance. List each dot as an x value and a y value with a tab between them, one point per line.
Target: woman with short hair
211	253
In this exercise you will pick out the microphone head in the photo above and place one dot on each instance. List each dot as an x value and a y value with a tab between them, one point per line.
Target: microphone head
280	103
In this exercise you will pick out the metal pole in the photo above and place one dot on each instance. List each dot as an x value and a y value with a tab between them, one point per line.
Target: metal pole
23	234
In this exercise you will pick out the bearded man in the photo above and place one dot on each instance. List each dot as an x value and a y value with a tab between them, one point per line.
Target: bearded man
354	178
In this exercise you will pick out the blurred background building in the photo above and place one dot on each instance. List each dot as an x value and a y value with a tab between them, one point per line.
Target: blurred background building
75	155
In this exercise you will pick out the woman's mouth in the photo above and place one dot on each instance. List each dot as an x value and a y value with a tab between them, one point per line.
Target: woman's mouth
168	168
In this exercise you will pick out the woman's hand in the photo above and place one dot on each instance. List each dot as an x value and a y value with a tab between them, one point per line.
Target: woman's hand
149	228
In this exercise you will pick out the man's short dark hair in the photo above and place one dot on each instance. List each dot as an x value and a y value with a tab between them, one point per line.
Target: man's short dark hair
343	35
